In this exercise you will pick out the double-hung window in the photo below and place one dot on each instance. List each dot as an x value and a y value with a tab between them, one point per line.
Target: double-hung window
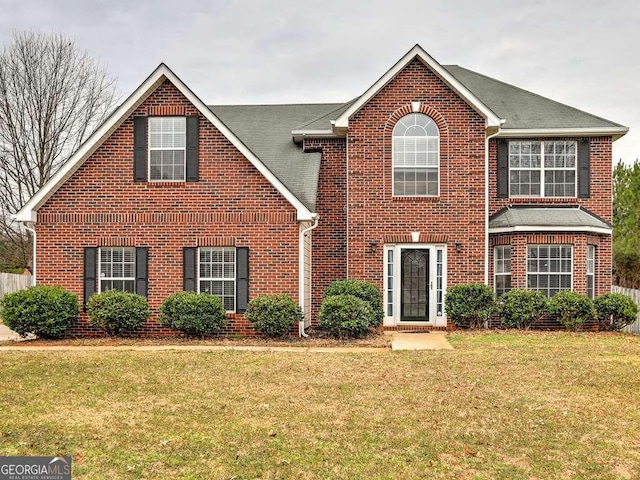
542	169
167	148
502	269
117	269
217	274
549	268
416	156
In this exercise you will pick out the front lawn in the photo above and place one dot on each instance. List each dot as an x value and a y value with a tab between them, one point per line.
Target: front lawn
501	405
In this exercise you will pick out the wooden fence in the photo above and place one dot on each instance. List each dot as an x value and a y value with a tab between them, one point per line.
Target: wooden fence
635	295
10	282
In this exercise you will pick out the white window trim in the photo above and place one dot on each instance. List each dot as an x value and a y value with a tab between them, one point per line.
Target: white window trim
495	265
573	265
101	278
425	167
220	279
591	257
436	320
544	169
149	150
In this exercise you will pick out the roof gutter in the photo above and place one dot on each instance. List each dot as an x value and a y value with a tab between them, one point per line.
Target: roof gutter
615	132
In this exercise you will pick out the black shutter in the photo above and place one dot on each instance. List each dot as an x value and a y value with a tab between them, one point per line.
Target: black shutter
193	137
90	272
140	149
142	271
503	168
242	279
189	266
584	173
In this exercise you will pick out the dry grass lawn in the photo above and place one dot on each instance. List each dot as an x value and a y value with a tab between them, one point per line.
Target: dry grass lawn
499	406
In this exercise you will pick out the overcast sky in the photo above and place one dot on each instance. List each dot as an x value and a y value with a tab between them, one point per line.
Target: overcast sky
581	52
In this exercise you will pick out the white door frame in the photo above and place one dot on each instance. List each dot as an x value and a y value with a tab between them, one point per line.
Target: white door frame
437	283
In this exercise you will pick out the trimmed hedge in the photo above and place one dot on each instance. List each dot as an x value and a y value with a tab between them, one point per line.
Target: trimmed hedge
363	290
571	309
193	313
43	310
117	313
345	316
522	308
615	311
273	315
469	305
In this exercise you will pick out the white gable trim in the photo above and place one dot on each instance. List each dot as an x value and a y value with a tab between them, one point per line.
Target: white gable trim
492	120
28	212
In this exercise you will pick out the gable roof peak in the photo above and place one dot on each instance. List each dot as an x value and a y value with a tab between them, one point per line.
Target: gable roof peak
491	119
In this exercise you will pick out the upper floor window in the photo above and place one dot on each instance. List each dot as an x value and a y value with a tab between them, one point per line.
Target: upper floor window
542	169
167	148
416	156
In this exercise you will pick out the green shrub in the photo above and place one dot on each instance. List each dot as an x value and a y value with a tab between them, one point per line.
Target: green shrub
615	311
366	291
197	314
469	305
44	311
521	308
345	316
116	312
273	315
571	309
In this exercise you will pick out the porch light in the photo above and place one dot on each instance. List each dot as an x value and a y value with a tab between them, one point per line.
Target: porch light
458	246
373	246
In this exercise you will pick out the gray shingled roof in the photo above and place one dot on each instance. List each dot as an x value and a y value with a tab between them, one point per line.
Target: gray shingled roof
266	131
570	217
521	108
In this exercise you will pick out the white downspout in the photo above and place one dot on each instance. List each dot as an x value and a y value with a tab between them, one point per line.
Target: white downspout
33	255
486	207
301	293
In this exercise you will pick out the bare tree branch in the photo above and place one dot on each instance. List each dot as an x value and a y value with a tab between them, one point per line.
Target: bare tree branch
52	97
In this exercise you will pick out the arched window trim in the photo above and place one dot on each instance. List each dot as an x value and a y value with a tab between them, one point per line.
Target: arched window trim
416	157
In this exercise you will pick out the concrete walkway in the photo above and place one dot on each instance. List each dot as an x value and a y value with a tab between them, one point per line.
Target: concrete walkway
6	334
420	341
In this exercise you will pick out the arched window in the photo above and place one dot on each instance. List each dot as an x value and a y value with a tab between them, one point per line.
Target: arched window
416	156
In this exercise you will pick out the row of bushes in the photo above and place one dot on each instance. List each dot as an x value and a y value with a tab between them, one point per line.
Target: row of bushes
349	308
471	305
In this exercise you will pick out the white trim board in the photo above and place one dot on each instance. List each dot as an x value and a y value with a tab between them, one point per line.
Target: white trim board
491	119
28	212
542	228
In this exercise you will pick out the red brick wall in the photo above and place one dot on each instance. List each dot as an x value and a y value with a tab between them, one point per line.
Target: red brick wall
232	204
600	200
579	241
457	215
599	203
329	249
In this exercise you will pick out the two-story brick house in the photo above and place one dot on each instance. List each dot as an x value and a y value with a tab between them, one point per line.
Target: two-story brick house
435	176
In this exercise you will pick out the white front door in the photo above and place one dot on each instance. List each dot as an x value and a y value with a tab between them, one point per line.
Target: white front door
415	283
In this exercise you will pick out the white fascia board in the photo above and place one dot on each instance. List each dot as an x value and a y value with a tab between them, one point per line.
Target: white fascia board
540	228
491	119
28	211
615	132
